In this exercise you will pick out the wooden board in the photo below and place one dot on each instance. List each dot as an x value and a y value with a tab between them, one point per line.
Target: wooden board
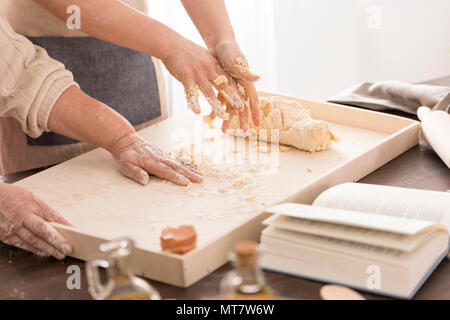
102	204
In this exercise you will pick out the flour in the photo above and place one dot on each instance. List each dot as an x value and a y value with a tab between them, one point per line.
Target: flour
220	80
222	177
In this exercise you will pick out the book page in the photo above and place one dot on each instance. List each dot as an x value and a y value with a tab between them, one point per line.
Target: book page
349	248
351	218
375	237
389	201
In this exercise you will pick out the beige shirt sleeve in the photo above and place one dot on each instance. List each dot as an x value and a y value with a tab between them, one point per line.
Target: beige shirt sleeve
30	81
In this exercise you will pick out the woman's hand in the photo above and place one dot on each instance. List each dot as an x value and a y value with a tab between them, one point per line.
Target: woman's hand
234	62
137	158
196	68
81	117
24	223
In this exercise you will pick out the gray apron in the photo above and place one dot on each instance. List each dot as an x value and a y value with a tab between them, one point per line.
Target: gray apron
123	79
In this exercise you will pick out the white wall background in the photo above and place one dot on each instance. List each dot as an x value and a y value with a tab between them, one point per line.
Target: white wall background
324	46
316	48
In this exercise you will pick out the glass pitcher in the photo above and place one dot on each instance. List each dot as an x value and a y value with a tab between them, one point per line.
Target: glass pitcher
121	283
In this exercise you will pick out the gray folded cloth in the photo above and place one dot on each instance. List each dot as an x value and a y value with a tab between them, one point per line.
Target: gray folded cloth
392	95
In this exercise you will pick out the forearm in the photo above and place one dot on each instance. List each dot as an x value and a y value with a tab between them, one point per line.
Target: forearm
81	117
211	19
116	22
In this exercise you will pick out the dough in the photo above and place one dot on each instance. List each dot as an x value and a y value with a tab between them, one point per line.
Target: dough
192	98
294	125
242	64
220	80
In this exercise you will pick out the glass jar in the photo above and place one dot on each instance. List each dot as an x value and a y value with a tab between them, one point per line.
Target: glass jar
120	283
246	281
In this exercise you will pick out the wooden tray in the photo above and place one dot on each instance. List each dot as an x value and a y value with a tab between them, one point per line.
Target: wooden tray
102	204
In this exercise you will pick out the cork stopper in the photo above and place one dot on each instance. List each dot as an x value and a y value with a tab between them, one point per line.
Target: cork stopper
246	248
246	253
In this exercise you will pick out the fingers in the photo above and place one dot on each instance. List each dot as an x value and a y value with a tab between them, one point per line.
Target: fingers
163	171
210	96
222	99
164	157
49	214
188	172
227	87
241	70
38	229
243	120
226	123
19	243
133	172
252	96
191	93
40	245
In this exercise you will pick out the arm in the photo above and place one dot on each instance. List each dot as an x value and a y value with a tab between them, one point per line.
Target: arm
116	22
193	66
81	117
212	21
40	93
30	83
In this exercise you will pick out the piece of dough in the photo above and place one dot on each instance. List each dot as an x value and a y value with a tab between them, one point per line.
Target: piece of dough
192	99
294	125
220	80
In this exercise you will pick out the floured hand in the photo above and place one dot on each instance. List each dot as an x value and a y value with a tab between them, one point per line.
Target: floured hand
197	69
234	63
24	223
137	159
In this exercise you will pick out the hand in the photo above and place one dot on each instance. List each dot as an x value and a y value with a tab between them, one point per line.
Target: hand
234	62
196	68
137	158
24	223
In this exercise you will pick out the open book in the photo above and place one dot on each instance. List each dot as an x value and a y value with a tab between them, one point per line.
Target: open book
381	239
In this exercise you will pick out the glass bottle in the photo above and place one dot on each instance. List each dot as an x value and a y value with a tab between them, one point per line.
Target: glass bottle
121	283
246	281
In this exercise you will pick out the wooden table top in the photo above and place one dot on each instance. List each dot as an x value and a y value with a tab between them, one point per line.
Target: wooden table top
25	276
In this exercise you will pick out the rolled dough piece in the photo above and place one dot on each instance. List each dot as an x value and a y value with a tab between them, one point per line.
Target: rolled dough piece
292	123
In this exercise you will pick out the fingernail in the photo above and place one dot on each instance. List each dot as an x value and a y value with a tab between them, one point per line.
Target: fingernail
240	106
183	180
66	249
197	178
60	256
254	76
144	179
41	254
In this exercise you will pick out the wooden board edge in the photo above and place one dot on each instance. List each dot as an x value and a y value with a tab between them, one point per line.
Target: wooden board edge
374	120
359	167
